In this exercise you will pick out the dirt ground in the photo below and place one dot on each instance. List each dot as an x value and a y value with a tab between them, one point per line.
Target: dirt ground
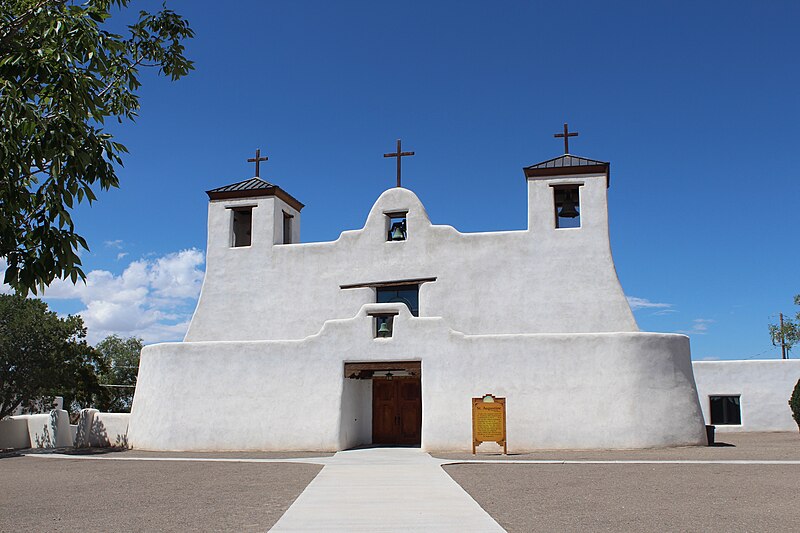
644	497
103	494
49	494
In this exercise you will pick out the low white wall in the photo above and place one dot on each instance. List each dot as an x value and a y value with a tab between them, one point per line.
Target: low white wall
84	427
110	429
50	430
764	387
591	390
102	430
14	432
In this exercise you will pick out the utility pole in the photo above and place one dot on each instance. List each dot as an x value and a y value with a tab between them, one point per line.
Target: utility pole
783	342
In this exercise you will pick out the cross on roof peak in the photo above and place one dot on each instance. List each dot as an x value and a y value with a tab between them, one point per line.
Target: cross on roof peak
257	160
567	134
398	155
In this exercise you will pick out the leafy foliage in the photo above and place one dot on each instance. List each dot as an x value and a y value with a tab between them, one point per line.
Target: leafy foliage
794	403
121	362
43	356
61	76
790	331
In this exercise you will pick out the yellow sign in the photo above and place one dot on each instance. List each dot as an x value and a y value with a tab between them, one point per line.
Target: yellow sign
489	421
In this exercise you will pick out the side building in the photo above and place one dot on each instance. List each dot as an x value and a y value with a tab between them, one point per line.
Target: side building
384	335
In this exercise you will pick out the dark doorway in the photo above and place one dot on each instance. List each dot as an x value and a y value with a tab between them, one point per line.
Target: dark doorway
396	410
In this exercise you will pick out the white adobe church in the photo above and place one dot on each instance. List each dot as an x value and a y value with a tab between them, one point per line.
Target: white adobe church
384	335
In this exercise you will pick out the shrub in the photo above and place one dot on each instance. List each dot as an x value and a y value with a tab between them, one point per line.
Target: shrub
794	403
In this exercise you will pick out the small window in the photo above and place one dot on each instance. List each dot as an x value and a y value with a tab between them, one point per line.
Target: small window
407	294
567	206
397	227
287	228
242	223
725	410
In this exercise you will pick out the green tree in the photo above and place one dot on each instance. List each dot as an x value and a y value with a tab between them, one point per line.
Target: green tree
62	74
121	358
789	333
43	356
794	403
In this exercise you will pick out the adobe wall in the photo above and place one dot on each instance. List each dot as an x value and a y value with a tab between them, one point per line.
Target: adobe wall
764	387
539	280
590	390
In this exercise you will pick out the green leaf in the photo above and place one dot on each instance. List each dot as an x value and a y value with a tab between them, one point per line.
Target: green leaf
60	78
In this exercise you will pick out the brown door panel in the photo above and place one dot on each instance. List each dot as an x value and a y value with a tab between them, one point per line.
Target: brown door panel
396	411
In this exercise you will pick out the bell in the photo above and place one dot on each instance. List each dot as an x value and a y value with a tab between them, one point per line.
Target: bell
397	233
568	208
384	331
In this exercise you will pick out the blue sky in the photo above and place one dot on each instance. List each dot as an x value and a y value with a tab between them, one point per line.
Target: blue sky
696	105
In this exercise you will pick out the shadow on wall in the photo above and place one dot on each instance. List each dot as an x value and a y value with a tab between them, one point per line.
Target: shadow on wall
102	430
99	436
43	438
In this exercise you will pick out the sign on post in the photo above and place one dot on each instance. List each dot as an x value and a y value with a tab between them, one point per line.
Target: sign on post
489	421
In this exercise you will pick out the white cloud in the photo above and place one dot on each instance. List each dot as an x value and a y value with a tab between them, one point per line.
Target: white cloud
153	298
699	327
116	243
121	255
644	303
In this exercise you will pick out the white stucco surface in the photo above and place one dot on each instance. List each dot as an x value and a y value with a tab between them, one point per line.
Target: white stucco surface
49	430
591	390
536	316
764	387
539	280
100	429
14	432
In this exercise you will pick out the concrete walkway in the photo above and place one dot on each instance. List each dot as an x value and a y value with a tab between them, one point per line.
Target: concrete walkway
384	489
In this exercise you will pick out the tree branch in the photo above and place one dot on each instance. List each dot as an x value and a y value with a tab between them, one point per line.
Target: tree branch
22	19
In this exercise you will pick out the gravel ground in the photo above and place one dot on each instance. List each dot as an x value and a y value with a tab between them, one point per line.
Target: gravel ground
635	498
228	455
630	497
55	494
730	446
51	494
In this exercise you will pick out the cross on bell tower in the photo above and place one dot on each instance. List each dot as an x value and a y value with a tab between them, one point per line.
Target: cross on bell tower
567	134
398	155
257	160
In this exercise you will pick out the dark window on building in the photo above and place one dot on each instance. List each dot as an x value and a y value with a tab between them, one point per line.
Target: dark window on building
242	222
567	206
407	294
397	227
287	228
725	410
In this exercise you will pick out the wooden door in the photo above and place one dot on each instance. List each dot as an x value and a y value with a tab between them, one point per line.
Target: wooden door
396	411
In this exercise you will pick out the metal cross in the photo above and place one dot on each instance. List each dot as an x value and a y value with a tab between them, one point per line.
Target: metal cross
567	134
398	155
257	160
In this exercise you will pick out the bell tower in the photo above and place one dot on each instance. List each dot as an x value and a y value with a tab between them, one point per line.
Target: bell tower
568	192
252	213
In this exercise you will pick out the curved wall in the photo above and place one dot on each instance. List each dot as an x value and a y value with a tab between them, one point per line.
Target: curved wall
593	390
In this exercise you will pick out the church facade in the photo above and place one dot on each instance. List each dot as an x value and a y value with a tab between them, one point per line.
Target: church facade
384	335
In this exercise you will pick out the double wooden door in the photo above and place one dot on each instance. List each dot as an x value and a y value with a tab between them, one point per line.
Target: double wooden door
396	411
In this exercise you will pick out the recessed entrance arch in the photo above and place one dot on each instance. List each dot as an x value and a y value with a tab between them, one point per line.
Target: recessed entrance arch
396	399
